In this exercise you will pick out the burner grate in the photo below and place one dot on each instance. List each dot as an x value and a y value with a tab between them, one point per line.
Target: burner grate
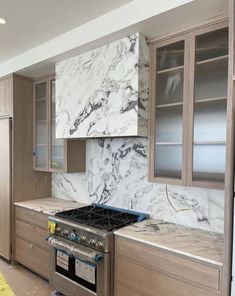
100	217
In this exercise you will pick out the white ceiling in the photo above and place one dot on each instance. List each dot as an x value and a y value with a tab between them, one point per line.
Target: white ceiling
32	22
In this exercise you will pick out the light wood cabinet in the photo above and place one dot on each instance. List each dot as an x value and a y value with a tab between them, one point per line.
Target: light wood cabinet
6	97
31	247
50	153
144	270
189	78
18	180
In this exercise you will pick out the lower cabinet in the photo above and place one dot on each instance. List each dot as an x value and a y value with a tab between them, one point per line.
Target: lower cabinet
31	248
142	270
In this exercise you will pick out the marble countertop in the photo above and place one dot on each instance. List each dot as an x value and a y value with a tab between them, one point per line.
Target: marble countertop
194	243
50	205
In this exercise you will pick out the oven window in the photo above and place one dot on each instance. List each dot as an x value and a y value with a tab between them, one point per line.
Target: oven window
76	269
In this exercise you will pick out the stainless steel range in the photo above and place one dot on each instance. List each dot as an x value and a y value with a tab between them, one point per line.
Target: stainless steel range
82	248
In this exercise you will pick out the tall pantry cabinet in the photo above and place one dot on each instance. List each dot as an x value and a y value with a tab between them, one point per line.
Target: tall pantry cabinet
18	180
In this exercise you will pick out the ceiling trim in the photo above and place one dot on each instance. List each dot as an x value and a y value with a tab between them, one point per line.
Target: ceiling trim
107	24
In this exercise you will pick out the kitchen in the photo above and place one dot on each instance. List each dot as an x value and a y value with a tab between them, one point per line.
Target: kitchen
117	151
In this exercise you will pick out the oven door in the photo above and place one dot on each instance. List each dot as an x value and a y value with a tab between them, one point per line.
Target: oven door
79	270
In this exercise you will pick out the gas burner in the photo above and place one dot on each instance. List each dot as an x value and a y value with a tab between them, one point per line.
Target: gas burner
102	217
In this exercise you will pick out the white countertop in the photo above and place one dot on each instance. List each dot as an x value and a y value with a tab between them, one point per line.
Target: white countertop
50	205
194	243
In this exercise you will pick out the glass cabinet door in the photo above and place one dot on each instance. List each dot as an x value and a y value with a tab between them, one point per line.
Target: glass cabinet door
41	126
169	102
57	145
210	103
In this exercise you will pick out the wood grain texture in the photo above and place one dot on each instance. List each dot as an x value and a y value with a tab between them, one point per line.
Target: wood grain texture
33	257
229	172
74	150
6	96
191	87
189	36
32	217
149	271
28	184
32	233
5	185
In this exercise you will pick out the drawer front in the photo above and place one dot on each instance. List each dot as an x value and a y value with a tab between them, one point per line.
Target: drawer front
33	257
31	217
125	290
171	264
149	282
32	233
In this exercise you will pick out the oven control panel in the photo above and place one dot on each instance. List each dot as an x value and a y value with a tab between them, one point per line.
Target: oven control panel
80	236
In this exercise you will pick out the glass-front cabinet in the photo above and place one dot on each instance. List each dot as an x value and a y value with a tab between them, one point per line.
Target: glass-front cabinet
50	153
188	105
169	108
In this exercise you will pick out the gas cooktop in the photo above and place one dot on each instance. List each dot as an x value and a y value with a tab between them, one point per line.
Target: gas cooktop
102	217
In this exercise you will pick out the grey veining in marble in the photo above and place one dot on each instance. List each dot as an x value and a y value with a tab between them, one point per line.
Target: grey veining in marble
199	244
116	174
104	92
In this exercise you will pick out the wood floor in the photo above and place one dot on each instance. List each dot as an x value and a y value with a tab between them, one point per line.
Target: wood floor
23	282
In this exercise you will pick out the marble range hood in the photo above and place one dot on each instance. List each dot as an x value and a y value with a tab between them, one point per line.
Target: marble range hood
104	92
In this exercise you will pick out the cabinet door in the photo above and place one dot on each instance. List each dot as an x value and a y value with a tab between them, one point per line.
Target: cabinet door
41	126
56	145
168	111
6	96
208	89
5	191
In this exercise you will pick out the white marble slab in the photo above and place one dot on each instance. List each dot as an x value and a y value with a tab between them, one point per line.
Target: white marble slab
50	205
104	92
194	243
116	174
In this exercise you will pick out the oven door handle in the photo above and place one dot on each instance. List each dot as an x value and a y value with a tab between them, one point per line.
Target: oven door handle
75	251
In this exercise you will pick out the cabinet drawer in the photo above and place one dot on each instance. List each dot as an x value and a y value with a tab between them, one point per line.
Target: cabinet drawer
33	257
149	282
32	217
32	233
175	265
125	290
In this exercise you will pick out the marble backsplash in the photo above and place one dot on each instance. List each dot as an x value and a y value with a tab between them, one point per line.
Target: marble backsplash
116	175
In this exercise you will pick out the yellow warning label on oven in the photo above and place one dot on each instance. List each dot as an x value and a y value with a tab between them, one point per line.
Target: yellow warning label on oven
51	226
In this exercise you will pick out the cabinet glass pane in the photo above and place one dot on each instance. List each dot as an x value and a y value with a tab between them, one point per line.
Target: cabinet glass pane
210	121
169	110
209	162
57	145
170	56
211	79
212	45
210	106
169	124
169	87
41	125
168	161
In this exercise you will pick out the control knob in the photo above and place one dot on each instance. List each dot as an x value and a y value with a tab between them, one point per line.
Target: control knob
72	236
99	245
58	229
65	232
92	243
83	238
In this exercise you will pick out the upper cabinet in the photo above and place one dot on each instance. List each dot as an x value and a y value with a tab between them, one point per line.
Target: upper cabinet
188	104
104	92
50	153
